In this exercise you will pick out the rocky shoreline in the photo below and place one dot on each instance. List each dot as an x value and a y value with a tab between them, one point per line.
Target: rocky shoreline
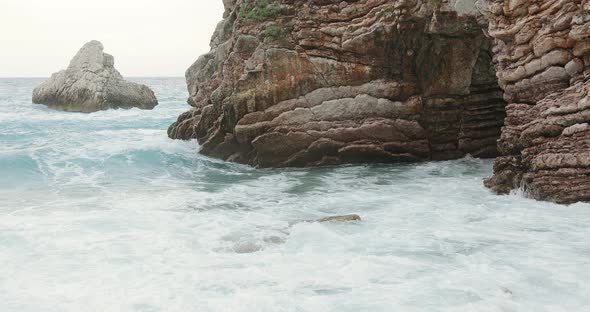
543	63
308	83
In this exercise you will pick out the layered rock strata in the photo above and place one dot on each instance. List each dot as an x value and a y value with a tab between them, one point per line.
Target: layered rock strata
542	53
91	83
305	83
317	82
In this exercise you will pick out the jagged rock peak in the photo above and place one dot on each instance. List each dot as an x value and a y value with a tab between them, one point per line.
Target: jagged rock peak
91	83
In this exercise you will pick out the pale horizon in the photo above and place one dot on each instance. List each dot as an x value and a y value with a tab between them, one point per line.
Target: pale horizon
148	38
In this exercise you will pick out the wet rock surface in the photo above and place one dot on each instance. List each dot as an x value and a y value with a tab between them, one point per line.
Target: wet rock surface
91	83
331	219
340	219
307	83
543	62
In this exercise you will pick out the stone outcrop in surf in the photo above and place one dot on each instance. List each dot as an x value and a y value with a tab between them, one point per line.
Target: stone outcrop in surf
318	82
542	53
91	83
306	83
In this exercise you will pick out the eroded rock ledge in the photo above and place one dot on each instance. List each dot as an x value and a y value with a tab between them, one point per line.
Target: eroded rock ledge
543	63
316	82
91	83
302	83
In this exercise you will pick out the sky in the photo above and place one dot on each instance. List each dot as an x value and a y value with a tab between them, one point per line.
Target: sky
148	38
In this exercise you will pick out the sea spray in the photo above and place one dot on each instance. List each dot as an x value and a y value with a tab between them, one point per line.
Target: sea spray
102	212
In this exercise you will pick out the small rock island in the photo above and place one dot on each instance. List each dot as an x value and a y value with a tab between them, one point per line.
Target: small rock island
91	83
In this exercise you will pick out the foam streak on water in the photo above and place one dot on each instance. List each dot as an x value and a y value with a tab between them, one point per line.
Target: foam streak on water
101	212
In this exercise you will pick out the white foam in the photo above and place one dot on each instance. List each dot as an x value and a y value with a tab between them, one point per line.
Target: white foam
122	219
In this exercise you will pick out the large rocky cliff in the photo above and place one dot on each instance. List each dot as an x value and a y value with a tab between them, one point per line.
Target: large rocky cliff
542	55
297	83
317	82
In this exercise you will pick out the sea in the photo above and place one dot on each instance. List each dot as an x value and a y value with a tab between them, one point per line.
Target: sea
102	212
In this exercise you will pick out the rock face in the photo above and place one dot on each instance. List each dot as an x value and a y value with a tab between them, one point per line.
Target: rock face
542	53
305	83
91	83
317	82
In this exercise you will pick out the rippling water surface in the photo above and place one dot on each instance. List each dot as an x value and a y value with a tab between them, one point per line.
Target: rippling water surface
102	212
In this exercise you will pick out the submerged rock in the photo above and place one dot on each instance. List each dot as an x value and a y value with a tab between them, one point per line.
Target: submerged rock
246	247
347	218
91	83
331	219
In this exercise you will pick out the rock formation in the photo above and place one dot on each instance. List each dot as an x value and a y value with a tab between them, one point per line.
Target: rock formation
317	82
340	219
91	83
301	83
331	219
542	53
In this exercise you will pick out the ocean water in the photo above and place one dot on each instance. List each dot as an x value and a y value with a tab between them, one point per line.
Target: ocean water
102	212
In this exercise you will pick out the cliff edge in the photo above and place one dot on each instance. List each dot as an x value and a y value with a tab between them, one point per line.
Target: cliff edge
320	82
306	83
542	57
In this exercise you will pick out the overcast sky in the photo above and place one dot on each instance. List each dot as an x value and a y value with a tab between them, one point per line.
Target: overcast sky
147	37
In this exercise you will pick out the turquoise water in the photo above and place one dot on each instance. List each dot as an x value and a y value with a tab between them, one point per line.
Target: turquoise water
101	212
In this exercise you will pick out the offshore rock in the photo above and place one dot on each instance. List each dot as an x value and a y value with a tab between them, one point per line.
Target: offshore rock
91	83
542	54
308	83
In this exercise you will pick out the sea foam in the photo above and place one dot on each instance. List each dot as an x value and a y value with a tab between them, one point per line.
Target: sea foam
102	212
